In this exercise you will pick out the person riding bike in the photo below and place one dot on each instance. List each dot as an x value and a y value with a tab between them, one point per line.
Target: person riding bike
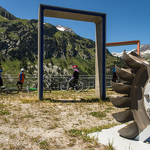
21	79
74	77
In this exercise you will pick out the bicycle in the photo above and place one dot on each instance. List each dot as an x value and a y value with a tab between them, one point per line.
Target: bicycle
6	90
86	84
77	86
53	84
34	88
48	85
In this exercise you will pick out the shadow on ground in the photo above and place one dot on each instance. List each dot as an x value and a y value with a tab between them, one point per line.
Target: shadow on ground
82	100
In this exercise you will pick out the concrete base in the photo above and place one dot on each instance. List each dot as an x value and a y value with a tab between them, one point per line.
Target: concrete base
144	135
112	136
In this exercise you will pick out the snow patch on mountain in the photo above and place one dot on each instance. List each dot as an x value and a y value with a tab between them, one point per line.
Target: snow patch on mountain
63	28
144	50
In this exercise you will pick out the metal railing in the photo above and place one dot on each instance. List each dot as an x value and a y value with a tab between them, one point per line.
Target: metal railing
10	80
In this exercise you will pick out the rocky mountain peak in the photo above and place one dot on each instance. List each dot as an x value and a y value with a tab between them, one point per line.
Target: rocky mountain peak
6	14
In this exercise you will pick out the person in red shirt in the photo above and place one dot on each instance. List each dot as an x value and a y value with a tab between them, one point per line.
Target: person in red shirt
21	79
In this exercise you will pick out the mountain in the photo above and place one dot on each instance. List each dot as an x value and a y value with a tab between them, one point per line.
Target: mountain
62	49
63	28
6	14
144	51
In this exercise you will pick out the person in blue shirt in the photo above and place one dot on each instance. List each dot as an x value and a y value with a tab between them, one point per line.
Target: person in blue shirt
1	81
114	77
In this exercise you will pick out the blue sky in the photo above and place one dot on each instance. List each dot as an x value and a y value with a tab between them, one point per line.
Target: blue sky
126	20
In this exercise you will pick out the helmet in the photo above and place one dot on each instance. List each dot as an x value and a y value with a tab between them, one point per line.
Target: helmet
75	66
22	69
113	70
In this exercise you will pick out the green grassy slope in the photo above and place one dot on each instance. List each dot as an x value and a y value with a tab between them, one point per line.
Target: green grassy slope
18	41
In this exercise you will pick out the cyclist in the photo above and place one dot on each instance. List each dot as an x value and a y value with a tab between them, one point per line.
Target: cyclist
74	77
1	81
21	79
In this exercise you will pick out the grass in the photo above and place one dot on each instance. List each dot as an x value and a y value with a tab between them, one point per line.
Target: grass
3	18
98	114
109	146
61	121
44	145
99	128
4	112
15	65
83	134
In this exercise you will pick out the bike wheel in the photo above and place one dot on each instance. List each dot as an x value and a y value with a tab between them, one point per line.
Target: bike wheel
46	89
25	91
86	85
64	86
55	86
10	91
78	87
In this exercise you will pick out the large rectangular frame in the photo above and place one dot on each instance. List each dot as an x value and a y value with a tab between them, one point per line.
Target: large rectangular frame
137	42
100	42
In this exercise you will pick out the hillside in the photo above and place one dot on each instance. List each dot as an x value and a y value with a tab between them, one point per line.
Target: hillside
18	48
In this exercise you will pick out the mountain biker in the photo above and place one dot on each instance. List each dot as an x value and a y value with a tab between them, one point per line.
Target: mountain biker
74	77
21	79
1	81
